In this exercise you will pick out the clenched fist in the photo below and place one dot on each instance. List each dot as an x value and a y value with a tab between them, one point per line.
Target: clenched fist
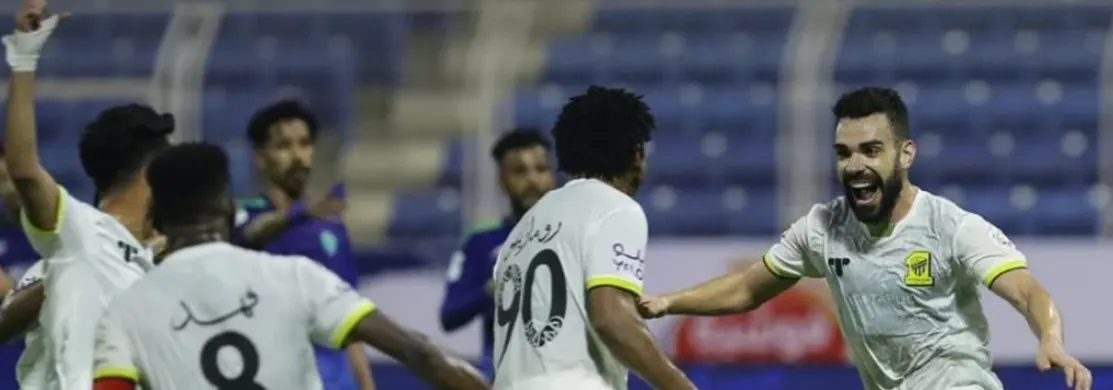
652	306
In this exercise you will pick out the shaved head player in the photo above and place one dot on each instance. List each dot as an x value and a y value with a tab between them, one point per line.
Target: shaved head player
568	277
903	266
213	315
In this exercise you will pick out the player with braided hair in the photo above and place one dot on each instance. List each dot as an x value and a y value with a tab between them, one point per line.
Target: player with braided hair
575	324
91	252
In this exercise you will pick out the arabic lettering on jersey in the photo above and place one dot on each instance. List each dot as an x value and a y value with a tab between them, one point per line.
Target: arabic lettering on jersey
540	235
246	308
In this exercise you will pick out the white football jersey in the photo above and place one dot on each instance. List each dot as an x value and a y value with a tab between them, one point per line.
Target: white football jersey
218	316
89	257
33	368
908	302
583	235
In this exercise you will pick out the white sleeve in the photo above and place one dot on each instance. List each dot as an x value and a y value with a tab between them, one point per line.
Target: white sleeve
67	319
788	258
65	238
615	251
112	352
984	250
334	307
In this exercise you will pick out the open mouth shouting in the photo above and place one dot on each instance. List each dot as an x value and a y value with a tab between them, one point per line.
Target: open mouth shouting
865	192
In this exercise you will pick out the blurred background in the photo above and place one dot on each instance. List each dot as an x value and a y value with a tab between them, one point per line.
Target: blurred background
1010	106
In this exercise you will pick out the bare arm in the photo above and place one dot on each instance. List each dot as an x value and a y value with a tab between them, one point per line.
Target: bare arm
614	316
1024	293
37	190
736	292
21	312
357	358
413	350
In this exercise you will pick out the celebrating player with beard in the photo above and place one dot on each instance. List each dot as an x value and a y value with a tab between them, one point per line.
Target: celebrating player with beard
903	266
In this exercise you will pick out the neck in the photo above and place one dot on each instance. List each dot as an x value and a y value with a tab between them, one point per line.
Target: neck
620	184
278	196
900	210
181	237
129	206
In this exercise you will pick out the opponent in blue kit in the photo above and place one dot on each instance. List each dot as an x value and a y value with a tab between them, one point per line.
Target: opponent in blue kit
281	222
525	176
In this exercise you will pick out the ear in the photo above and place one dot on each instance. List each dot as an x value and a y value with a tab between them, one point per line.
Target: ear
907	154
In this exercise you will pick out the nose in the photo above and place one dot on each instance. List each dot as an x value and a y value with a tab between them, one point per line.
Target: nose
854	165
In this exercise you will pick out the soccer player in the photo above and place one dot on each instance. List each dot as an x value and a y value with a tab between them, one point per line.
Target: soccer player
213	315
568	278
91	252
903	266
522	157
281	222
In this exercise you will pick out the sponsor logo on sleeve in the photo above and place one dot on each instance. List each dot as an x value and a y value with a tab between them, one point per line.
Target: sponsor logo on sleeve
628	261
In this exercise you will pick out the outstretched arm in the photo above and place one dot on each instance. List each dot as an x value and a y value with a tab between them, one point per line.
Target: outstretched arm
38	191
339	316
433	365
736	292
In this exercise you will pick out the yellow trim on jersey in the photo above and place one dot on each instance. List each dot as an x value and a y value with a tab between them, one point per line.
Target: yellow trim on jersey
614	281
59	211
341	332
767	260
999	270
129	373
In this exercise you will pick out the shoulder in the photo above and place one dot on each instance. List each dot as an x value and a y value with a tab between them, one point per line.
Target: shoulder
825	216
943	216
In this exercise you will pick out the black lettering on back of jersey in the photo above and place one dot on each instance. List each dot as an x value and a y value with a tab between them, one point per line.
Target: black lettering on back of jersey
128	251
519	306
249	355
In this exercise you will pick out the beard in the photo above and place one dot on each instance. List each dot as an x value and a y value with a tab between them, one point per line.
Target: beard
888	190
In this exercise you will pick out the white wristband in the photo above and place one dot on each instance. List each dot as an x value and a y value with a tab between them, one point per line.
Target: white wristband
23	63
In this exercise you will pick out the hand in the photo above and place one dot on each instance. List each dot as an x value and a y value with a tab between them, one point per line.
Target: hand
491	287
33	29
1052	355
157	244
653	307
327	207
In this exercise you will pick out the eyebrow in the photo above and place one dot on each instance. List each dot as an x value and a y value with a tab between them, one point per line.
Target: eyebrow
861	145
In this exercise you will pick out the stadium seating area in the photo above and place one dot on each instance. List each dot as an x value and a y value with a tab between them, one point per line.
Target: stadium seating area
1004	101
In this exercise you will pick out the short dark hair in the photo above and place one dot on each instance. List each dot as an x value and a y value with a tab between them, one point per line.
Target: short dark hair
189	182
120	141
258	128
602	132
867	101
520	138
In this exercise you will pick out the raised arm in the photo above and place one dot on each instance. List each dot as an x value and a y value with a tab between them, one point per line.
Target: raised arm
614	267
38	191
339	317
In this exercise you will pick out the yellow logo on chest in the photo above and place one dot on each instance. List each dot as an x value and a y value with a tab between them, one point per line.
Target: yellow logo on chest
918	273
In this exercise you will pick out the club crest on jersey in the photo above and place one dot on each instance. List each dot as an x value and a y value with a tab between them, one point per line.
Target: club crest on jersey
918	272
329	243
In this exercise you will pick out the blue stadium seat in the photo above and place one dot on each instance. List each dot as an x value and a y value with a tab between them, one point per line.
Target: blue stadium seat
426	214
